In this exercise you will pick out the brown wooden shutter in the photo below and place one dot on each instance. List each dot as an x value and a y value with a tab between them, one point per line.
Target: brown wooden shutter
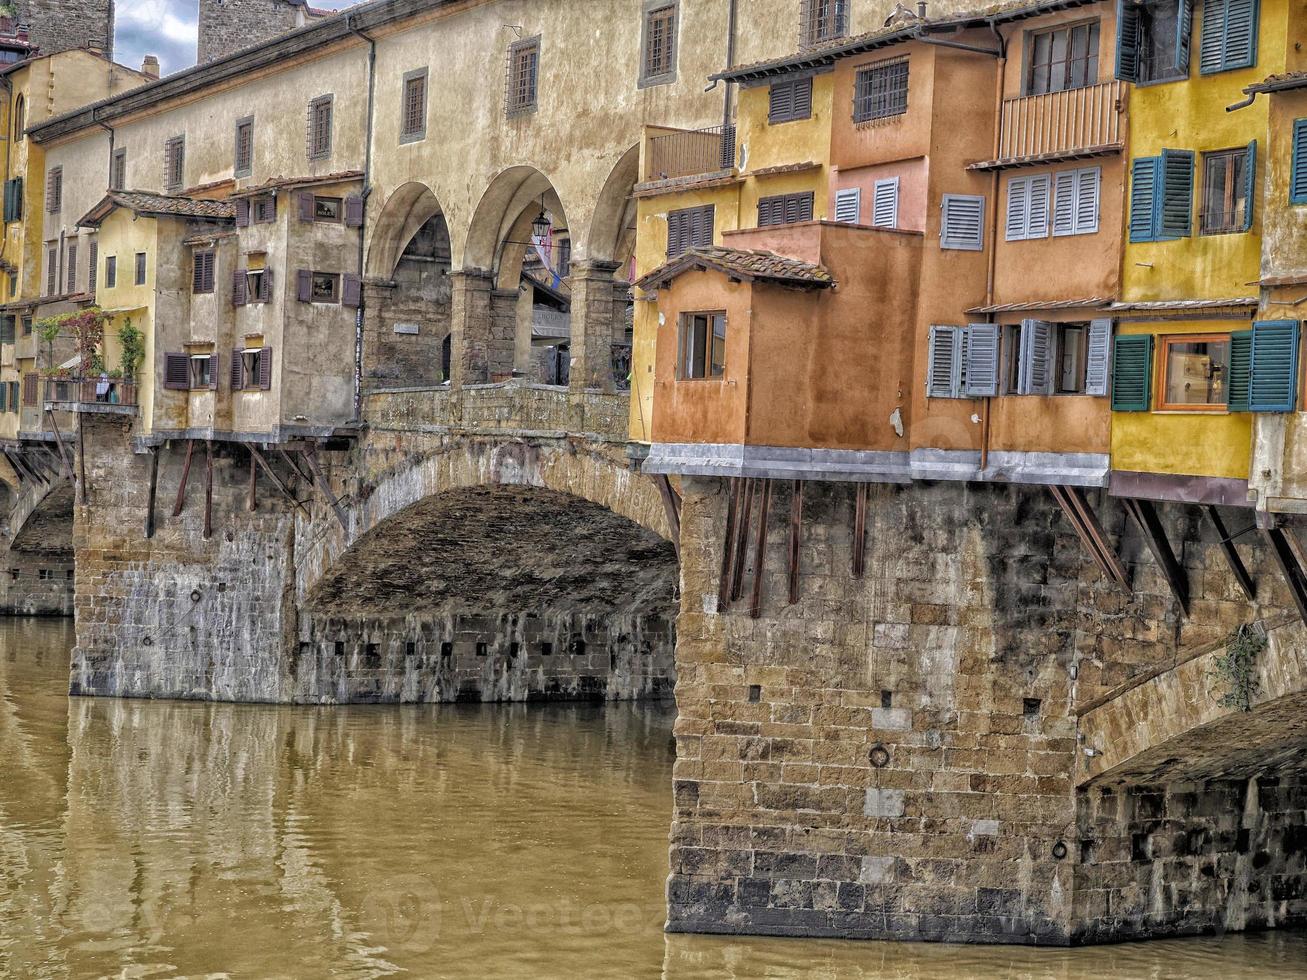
304	285
237	370
214	363
239	288
354	211
242	212
265	368
93	261
176	372
265	286
29	389
350	290
71	267
305	199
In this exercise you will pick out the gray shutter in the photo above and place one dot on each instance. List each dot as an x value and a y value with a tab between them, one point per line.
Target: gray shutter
305	199
354	211
1035	366
265	286
265	368
962	223
885	203
848	205
1037	218
304	285
1018	208
943	372
1087	188
982	360
214	363
1098	349
237	370
242	212
350	290
781	102
176	372
239	288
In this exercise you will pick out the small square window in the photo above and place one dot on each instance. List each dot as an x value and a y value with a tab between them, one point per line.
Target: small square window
702	345
1196	372
483	649
546	649
325	288
201	371
263	210
327	208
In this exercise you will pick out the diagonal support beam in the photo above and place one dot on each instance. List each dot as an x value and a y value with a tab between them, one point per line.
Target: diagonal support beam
760	556
276	480
741	552
1231	553
311	457
154	492
860	531
1290	567
1085	523
671	505
1145	515
63	451
186	475
731	542
796	538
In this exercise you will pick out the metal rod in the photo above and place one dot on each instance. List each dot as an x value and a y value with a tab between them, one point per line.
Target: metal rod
860	531
728	543
1232	557
186	472
208	489
154	490
759	560
796	532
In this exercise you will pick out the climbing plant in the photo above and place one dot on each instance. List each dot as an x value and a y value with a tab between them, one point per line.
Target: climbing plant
132	342
1236	666
86	326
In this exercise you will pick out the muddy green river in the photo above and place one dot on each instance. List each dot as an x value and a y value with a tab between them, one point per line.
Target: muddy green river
157	839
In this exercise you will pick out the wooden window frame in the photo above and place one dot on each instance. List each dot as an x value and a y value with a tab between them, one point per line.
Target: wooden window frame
1091	57
335	278
327	199
320	138
243	156
141	269
118	170
209	383
658	74
817	26
1230	192
54	192
409	129
110	271
873	101
685	320
1162	348
518	101
174	164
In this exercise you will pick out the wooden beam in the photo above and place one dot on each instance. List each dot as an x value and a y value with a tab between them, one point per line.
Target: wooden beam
81	458
1232	557
64	464
186	473
276	480
290	461
154	492
741	552
23	468
672	510
760	556
1145	515
860	531
729	543
311	457
1085	523
208	489
253	503
796	531
1290	568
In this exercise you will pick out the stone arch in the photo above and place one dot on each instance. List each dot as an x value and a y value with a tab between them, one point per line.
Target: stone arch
41	520
405	212
503	212
611	236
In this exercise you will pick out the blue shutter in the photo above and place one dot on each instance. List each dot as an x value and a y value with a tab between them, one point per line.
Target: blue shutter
1298	177
1176	199
1211	49
1143	199
1132	373
1273	376
1250	186
1129	34
1229	35
1183	28
1236	391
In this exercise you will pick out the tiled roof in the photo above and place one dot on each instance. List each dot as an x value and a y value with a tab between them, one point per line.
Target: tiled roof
273	183
1056	304
742	264
1279	83
142	202
1184	305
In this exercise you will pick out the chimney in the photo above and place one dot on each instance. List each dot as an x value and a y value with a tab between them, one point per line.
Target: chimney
150	66
921	9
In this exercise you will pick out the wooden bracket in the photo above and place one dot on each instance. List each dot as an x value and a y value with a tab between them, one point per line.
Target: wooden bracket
1145	515
1231	554
154	490
760	556
1090	531
64	463
1292	570
671	505
742	550
311	457
731	538
796	534
860	531
208	489
277	481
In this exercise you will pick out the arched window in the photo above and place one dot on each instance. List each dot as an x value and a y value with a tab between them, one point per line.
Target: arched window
20	117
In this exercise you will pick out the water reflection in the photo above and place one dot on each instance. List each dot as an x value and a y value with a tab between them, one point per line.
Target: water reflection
173	839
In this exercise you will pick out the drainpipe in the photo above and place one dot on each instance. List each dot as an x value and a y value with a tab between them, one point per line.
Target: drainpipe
8	84
992	264
731	16
367	193
112	141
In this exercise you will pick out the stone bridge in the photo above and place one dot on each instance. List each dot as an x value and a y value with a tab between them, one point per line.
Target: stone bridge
36	547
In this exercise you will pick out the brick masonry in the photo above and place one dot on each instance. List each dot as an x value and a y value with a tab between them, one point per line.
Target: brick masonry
58	25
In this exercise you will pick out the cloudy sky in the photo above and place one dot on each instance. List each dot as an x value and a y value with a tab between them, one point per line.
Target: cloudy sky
167	28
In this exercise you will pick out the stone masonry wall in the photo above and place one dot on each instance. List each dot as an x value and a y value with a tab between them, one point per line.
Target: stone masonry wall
35	584
58	25
228	26
893	757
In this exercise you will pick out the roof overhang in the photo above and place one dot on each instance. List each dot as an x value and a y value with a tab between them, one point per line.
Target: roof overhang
743	267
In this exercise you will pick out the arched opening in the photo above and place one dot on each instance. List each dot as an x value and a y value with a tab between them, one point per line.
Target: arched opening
408	304
493	593
37	575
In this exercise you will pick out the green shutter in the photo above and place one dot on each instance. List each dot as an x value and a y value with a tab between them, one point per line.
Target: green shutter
1132	373
1298	177
1273	376
1236	391
1176	199
1129	33
1143	199
7	329
1250	185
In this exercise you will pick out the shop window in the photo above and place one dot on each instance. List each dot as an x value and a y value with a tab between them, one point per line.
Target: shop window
1195	372
702	345
326	208
324	287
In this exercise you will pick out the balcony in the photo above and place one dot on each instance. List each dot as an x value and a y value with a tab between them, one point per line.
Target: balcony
91	395
671	154
1074	124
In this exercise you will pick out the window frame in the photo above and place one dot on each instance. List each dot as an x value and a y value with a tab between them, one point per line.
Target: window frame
652	9
683	353
256	209
207	383
1094	24
336	281
515	104
321	149
203	271
418	133
243	167
110	271
812	16
54	190
327	199
865	94
1232	189
1162	348
118	170
20	116
141	269
174	164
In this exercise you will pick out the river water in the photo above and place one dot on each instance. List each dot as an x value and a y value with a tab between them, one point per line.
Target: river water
158	839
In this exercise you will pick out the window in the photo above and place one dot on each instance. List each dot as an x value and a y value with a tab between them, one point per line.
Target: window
252	369
174	164
1045	358
784	209
413	126
325	287
789	100
1153	40
8	327
1298	170
319	134
263	209
703	345
848	205
20	118
203	371
110	271
244	148
27	326
326	208
689	228
821	21
118	170
1062	58
202	276
70	268
140	268
523	76
659	59
1161	196
1195	371
51	270
1228	177
256	286
962	223
54	190
1229	35
1075	201
881	90
13	200
1027	208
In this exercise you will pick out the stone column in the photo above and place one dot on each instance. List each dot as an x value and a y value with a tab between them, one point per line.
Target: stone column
500	350
471	327
593	325
378	365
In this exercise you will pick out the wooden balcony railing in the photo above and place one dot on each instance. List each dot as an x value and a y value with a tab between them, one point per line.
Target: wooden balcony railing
1060	125
689	152
90	391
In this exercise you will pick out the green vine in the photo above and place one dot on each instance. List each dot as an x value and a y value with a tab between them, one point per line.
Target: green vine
1237	665
86	326
133	344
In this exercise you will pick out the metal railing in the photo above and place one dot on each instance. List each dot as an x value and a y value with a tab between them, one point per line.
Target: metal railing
688	152
90	391
1074	120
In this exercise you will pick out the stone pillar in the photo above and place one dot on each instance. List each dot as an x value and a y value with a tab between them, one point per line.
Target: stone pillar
503	333
592	325
378	366
471	327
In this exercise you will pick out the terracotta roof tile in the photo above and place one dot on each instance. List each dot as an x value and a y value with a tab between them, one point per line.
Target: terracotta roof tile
143	202
742	264
272	183
1280	82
